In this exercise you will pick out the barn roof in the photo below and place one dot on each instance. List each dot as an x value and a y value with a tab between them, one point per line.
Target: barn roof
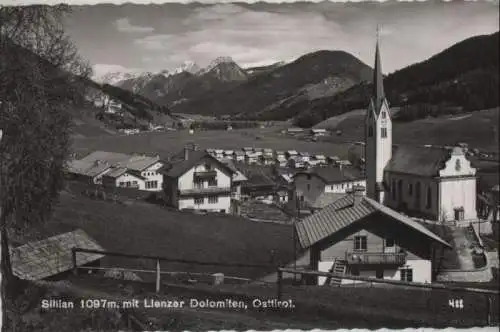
342	213
334	174
51	256
418	160
134	162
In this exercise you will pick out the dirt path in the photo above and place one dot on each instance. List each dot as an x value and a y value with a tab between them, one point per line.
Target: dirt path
462	246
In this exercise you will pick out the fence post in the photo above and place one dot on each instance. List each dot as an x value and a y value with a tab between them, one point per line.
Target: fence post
158	274
280	283
73	260
488	310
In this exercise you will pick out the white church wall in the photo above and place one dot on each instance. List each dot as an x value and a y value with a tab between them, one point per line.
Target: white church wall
456	193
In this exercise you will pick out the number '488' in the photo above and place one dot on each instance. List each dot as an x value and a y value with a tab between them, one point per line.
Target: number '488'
456	303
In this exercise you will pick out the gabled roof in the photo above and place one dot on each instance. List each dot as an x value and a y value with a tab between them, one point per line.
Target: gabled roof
325	199
51	256
331	175
135	162
237	175
90	169
177	166
418	160
343	213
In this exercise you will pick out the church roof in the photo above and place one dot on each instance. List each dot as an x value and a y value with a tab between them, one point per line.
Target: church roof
378	95
417	160
343	213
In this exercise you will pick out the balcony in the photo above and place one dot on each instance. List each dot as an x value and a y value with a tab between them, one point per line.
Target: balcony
375	258
201	191
205	174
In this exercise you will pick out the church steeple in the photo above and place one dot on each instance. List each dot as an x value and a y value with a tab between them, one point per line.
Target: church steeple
378	94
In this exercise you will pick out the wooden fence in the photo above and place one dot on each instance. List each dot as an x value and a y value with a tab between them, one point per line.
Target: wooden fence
216	277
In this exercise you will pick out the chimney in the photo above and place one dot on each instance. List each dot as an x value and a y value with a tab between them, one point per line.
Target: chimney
357	193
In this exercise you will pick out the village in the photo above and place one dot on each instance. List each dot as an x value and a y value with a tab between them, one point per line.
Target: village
321	230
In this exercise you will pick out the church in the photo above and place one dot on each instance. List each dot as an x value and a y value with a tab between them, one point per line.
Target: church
434	183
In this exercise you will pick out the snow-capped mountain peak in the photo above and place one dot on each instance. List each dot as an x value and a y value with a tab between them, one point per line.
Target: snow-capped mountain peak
218	61
113	78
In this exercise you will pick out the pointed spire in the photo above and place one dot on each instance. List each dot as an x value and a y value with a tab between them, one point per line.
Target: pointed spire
378	79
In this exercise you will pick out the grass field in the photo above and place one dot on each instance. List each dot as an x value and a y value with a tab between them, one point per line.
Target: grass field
165	143
478	129
146	229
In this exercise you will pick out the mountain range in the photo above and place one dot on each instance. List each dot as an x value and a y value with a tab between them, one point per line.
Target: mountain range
321	84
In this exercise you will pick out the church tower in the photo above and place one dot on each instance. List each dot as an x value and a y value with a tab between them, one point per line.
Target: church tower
378	134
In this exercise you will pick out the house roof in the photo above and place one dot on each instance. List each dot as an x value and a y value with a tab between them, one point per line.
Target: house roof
325	199
90	169
418	160
135	162
334	174
342	213
237	175
51	256
177	166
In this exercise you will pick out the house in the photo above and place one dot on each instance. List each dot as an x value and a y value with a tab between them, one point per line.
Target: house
251	158
219	153
211	152
51	258
238	179
280	154
113	107
281	161
239	156
268	152
267	160
332	160
318	132
295	162
199	181
281	197
228	154
121	170
124	169
355	235
312	183
320	159
304	156
291	153
294	131
247	150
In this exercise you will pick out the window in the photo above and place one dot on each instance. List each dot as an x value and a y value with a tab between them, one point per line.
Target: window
393	185
383	115
208	167
429	198
213	200
379	274
121	184
383	132
128	184
370	131
308	187
212	182
308	176
406	275
360	242
417	195
389	243
151	184
410	189
198	184
134	183
400	190
199	200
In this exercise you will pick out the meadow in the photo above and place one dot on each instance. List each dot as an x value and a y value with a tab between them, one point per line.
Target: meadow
166	143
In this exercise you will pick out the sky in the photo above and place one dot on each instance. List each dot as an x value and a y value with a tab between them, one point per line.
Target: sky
159	37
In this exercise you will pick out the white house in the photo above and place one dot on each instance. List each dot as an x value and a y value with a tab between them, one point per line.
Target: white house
198	181
318	132
281	161
267	160
358	236
238	179
251	158
239	156
268	152
122	170
291	153
280	154
312	183
320	159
